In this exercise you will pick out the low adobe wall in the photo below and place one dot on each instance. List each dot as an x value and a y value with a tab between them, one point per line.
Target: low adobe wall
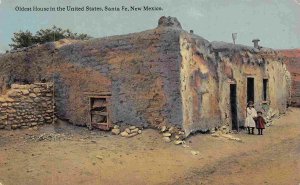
25	106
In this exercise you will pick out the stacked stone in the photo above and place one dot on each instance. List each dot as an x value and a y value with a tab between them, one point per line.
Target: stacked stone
25	106
173	133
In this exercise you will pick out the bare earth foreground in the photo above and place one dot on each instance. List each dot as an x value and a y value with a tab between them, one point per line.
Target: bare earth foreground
68	155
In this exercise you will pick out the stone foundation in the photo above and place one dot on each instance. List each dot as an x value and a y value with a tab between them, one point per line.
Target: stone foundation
25	106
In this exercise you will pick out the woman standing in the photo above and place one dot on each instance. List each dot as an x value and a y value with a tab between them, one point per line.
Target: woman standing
250	116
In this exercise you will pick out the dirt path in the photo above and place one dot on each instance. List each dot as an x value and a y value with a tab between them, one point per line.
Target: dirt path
78	156
270	159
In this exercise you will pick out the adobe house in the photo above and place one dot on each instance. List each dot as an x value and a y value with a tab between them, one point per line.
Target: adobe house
162	76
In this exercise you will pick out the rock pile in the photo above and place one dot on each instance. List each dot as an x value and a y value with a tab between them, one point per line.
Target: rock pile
25	106
127	132
172	134
223	130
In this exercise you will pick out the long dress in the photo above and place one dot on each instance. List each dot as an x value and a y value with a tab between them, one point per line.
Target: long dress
250	114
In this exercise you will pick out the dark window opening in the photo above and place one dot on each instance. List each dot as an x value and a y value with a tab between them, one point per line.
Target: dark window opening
265	89
233	107
250	89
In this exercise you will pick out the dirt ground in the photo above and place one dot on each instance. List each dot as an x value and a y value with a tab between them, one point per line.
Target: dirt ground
68	155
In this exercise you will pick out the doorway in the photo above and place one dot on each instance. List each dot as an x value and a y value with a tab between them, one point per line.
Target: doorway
99	112
250	89
265	89
233	107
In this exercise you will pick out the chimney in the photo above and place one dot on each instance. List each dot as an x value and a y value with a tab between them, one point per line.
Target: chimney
234	37
255	42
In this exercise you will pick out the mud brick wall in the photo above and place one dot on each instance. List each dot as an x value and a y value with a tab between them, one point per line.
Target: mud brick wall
199	85
25	106
140	71
208	69
237	67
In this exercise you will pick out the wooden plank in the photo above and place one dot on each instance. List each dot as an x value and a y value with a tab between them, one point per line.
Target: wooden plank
97	93
105	104
100	113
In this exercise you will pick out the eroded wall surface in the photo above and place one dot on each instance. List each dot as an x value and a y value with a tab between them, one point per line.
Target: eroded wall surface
140	71
199	85
235	67
208	69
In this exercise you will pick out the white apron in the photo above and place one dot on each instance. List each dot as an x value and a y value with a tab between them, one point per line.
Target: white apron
250	114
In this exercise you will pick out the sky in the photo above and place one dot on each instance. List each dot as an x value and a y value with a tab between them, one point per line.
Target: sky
275	22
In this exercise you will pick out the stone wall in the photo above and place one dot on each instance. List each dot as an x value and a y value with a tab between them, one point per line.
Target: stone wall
25	106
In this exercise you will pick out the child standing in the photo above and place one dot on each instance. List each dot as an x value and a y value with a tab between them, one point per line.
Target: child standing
250	115
260	123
